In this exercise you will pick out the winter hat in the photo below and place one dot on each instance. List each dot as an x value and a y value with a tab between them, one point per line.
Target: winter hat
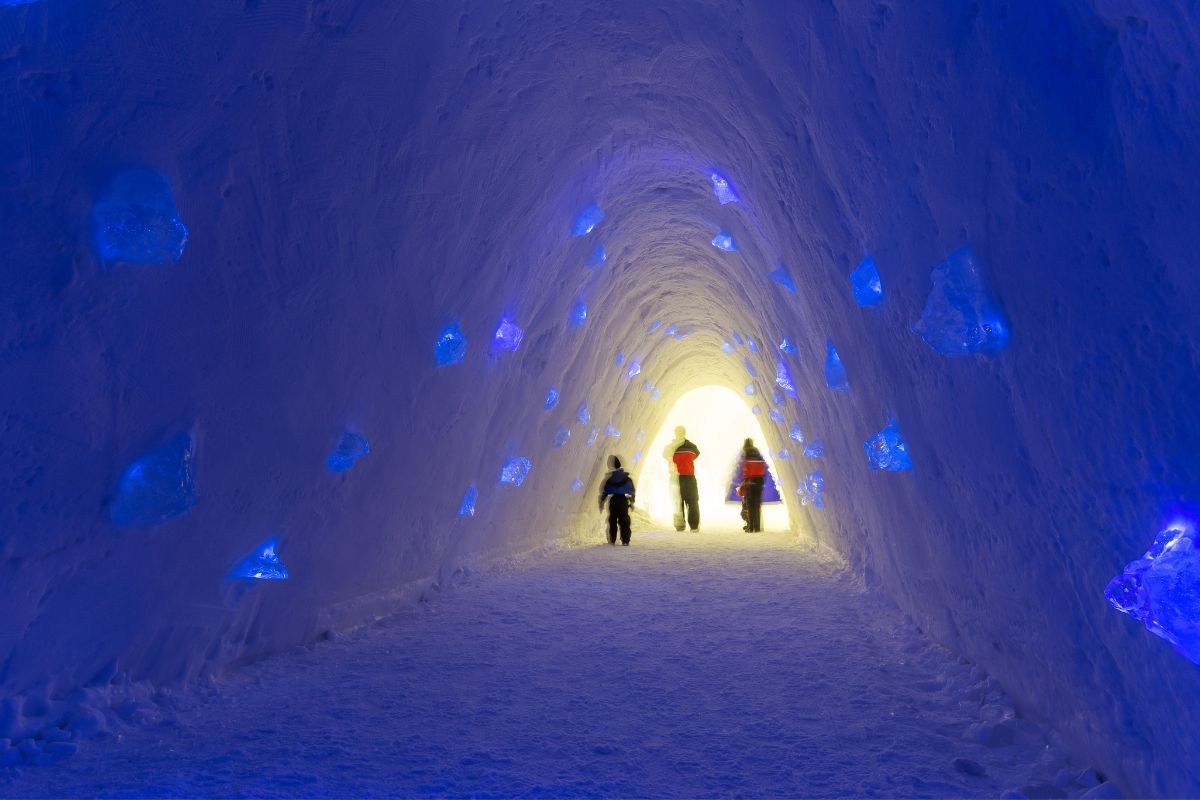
746	445
614	462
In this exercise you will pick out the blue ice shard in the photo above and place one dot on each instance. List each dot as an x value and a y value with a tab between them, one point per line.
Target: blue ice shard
961	316
263	564
783	379
671	330
887	451
757	410
679	337
749	365
785	454
815	449
868	288
812	490
782	277
515	470
467	507
508	335
751	345
587	221
451	347
723	189
592	436
611	431
777	396
561	435
727	348
136	221
1162	589
350	448
637	456
776	415
551	398
657	324
654	393
723	241
157	486
597	257
620	358
647	386
749	389
796	435
578	314
786	346
835	371
584	416
576	485
635	369
737	337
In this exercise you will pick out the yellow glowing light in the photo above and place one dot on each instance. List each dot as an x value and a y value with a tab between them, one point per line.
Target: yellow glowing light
717	421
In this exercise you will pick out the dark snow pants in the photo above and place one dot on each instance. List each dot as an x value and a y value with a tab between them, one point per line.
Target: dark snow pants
754	490
689	500
618	517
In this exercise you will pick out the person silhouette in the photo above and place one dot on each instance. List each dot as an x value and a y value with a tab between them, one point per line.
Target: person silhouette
682	455
754	470
619	490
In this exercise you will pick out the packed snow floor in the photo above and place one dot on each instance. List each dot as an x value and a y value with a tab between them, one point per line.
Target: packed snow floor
686	665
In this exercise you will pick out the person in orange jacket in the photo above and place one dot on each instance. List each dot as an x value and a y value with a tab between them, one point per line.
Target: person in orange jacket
754	470
683	454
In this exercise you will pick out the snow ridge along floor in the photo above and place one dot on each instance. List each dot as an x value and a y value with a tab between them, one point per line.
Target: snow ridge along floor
687	665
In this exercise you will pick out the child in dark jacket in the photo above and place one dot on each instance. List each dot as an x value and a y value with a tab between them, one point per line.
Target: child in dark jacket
619	490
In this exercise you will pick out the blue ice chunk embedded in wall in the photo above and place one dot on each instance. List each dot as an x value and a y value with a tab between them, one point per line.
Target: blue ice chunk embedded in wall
637	456
136	221
597	257
783	378
782	277
451	347
812	490
723	189
867	286
960	316
737	337
752	345
551	398
815	449
578	314
723	241
887	451
657	324
671	330
776	415
577	485
620	358
757	410
593	435
749	365
263	564
785	454
587	221
777	396
1162	589
647	386
611	431
467	507
350	448
654	393
561	435
584	416
727	348
796	435
786	346
515	470
635	369
508	335
157	486
680	336
749	389
835	371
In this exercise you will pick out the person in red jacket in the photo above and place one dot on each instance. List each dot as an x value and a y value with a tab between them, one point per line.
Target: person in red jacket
683	454
754	470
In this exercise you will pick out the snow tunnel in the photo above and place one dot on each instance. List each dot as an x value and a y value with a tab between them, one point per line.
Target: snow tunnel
245	240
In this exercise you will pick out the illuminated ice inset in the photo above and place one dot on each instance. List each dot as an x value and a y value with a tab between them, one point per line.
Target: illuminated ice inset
597	257
655	394
587	221
620	358
584	416
635	369
796	434
786	346
866	284
467	507
782	277
723	189
812	490
593	434
637	456
737	337
727	348
783	379
157	486
751	345
776	415
578	314
576	485
777	396
749	389
350	448
749	365
785	454
551	398
887	451
451	347
611	431
508	335
515	470
1162	589
657	324
561	435
263	564
723	241
647	386
671	330
835	371
960	316
136	221
757	410
815	449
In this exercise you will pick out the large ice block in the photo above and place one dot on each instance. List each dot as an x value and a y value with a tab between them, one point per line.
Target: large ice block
1162	589
887	451
515	470
157	486
961	316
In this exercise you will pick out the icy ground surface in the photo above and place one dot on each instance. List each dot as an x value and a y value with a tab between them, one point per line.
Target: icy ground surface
687	665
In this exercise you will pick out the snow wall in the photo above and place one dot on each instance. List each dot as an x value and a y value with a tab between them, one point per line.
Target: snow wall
357	174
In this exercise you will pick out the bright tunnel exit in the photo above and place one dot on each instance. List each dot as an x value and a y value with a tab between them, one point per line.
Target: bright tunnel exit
717	422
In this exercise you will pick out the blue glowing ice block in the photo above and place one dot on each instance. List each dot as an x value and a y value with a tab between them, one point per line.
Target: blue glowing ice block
776	415
812	490
751	345
635	369
727	348
815	449
961	316
584	416
756	410
451	347
620	358
786	346
576	485
749	365
551	398
1162	589
785	454
796	434
587	221
350	448
597	257
723	189
578	314
737	337
592	435
136	221
866	284
508	335
835	371
467	507
157	486
263	564
723	241
611	431
887	451
515	471
750	390
561	435
637	456
655	326
782	277
783	379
